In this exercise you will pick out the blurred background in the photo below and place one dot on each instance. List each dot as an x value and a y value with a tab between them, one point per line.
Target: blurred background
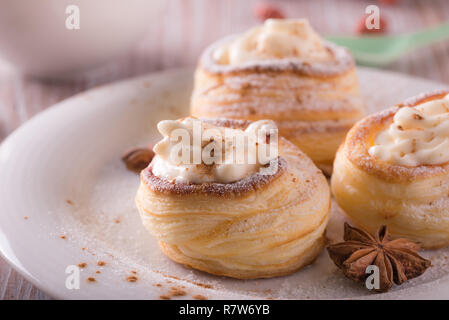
122	39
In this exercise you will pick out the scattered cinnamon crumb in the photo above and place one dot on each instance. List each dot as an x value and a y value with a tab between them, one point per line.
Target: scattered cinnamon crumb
63	237
26	217
199	284
91	279
203	285
199	297
101	263
131	279
294	179
83	249
307	180
164	297
157	285
98	272
417	116
82	265
134	271
117	220
69	202
176	292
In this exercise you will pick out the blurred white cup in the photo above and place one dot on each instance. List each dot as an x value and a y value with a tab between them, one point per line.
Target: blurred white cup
35	40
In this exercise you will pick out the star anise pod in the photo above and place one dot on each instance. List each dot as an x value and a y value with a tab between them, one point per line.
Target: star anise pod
137	159
397	260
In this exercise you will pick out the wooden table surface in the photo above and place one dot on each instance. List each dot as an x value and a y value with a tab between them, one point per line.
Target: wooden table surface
183	30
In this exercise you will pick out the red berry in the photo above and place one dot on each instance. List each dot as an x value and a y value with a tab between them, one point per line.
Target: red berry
265	11
389	2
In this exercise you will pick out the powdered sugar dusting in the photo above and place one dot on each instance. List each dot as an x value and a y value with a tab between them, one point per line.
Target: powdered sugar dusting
357	149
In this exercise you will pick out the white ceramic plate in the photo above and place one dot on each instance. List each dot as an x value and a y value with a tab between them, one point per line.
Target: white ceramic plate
62	170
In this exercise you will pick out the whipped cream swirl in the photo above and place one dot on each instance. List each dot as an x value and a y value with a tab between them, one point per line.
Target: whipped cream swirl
193	151
417	136
275	39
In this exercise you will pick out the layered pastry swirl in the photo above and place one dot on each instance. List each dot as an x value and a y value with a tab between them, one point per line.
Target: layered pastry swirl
393	169
247	219
282	71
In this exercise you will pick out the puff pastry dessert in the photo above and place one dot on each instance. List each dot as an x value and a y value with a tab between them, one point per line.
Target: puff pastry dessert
282	71
238	219
393	169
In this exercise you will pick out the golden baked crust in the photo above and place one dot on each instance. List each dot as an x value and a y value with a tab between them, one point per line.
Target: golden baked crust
412	201
258	227
314	105
307	257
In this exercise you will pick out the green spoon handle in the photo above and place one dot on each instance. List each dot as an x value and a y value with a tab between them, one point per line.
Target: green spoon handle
429	36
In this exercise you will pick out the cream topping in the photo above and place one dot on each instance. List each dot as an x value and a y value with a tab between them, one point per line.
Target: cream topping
275	39
193	151
417	136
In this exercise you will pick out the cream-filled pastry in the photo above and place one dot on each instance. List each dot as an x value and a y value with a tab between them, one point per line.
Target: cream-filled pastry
393	169
258	210
285	72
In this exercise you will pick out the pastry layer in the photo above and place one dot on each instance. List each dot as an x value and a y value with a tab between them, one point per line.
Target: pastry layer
412	201
314	105
261	226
